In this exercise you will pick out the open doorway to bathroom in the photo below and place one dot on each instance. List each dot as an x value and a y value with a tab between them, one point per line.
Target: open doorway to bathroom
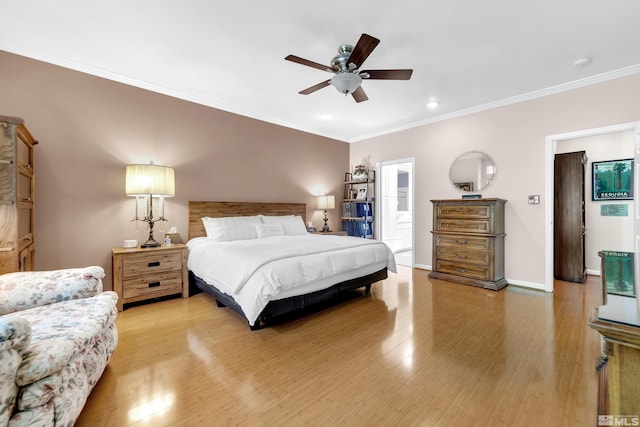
396	208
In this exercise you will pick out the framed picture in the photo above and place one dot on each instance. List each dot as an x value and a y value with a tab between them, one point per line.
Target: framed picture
612	180
362	193
464	186
618	272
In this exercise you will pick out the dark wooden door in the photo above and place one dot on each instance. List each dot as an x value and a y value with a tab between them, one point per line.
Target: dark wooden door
569	229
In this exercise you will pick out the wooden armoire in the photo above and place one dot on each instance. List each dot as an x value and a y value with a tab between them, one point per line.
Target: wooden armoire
568	219
17	196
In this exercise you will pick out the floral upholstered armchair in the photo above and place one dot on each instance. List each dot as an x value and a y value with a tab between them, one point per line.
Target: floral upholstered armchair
57	334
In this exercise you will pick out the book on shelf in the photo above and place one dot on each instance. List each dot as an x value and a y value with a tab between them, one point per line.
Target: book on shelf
359	228
357	209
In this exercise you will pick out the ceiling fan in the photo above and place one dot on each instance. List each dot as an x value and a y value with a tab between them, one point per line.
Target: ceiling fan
346	67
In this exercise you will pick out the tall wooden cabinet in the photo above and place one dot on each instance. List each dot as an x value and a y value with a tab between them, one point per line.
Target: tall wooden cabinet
17	196
468	242
619	381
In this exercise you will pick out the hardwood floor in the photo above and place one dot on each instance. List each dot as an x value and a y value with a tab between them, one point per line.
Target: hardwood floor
418	351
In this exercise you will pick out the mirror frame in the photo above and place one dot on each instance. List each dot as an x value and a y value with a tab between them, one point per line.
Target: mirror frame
468	187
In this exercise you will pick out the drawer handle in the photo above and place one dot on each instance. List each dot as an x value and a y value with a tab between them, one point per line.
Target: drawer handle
154	264
462	256
461	270
154	284
462	242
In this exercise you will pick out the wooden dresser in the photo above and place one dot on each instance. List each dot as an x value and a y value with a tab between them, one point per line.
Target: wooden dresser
17	196
143	274
468	242
619	380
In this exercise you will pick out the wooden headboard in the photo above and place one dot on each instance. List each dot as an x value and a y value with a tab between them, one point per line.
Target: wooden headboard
197	210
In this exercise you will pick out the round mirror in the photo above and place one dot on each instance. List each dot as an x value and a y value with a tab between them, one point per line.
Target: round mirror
472	171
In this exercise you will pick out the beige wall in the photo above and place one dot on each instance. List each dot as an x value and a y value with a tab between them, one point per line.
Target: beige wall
89	128
515	137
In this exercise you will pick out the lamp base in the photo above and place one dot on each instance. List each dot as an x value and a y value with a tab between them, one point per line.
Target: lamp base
325	228
150	244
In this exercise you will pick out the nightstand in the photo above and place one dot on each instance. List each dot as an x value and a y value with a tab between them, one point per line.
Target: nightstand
140	274
331	233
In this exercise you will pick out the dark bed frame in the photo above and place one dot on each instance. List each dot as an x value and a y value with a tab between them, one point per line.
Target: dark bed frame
276	308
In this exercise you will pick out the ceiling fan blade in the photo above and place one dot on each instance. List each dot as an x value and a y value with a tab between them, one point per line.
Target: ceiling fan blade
389	74
363	49
314	88
308	63
359	94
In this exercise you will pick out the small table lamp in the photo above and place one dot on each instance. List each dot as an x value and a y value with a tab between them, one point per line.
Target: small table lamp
326	202
147	182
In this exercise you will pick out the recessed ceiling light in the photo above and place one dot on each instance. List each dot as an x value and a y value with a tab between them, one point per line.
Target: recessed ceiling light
582	62
433	104
325	116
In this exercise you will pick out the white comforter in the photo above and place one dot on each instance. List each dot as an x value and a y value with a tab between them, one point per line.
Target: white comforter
257	271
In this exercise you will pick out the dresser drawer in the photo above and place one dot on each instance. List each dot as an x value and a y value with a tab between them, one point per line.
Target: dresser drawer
471	242
455	254
461	269
462	225
464	211
154	284
151	263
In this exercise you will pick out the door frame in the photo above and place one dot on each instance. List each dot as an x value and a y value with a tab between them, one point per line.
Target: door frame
551	142
378	205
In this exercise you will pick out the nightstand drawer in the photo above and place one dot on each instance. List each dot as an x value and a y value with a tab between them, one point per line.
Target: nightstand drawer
151	263
152	285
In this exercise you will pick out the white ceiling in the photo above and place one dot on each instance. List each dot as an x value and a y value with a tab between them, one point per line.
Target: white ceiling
467	54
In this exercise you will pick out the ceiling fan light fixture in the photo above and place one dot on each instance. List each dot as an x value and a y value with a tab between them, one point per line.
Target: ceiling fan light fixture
346	83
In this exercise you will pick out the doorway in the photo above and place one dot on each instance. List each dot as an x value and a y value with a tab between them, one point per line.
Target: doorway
396	190
553	143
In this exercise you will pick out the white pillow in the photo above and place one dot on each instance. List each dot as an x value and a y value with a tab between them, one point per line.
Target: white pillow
292	225
268	230
228	229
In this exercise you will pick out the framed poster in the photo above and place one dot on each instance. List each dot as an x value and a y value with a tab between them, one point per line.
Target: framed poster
618	272
612	180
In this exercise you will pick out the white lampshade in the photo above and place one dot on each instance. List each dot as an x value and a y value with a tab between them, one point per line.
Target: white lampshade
346	82
142	180
326	202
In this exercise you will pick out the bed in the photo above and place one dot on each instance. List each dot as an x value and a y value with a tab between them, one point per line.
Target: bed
282	270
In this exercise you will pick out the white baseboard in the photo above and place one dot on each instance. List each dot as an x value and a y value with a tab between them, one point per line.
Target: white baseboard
524	284
521	283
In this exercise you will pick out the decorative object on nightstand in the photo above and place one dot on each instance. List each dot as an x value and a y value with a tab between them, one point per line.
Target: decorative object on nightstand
144	274
326	202
144	182
358	202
